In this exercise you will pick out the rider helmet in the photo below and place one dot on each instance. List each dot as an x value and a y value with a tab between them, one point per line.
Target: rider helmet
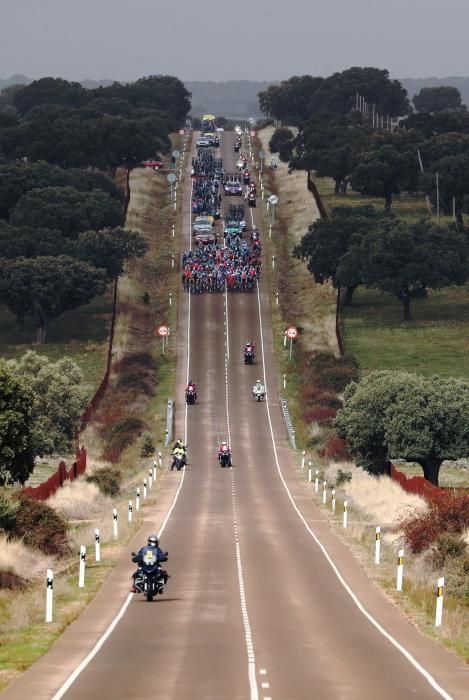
153	540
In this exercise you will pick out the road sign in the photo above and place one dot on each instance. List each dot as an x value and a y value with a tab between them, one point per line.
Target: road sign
171	177
175	154
291	332
163	331
188	123
252	120
273	199
261	154
181	132
252	133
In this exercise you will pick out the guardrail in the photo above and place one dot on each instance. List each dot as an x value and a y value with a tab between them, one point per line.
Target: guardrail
288	421
169	421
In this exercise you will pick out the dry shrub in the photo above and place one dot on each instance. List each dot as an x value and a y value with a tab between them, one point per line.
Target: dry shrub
316	396
333	373
78	500
41	527
137	373
21	561
384	501
447	513
108	480
335	448
122	434
320	414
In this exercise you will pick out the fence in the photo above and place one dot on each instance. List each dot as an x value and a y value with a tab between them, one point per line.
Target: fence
54	482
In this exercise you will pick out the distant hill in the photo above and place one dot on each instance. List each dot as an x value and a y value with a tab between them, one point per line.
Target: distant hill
414	85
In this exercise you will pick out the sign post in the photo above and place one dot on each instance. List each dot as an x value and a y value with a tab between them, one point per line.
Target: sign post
163	332
171	178
273	200
261	155
291	333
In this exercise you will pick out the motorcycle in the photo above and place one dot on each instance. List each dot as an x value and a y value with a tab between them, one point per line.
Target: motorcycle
258	392
191	396
179	461
150	577
249	356
225	459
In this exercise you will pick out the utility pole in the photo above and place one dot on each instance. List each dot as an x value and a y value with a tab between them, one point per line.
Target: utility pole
437	198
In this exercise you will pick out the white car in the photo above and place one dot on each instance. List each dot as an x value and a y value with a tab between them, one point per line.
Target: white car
203	142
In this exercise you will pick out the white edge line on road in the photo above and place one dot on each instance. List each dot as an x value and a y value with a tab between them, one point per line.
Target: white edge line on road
357	602
81	667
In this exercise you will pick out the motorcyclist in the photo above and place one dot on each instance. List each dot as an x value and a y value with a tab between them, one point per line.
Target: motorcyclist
191	387
150	551
179	449
223	449
258	388
249	347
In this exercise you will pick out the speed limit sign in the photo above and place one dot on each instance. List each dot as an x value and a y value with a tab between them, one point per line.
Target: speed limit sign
163	331
291	332
252	133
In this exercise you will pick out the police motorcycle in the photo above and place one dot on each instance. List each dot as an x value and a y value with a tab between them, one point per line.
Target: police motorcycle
150	577
258	391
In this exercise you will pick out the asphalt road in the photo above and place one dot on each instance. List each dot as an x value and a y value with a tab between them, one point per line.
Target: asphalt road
254	608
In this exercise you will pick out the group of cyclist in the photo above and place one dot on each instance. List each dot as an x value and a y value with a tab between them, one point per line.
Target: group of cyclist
213	268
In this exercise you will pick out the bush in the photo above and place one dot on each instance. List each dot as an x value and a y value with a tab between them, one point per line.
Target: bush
457	577
447	547
315	396
40	527
137	373
148	446
335	448
122	434
108	481
8	510
333	373
343	477
447	513
280	138
321	414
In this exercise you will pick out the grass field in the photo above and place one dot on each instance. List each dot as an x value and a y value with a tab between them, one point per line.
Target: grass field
435	341
81	334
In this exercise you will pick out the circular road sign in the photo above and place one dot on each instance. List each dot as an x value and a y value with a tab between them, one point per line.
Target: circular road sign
273	199
261	154
171	177
252	120
188	122
252	133
175	154
291	332
181	132
162	331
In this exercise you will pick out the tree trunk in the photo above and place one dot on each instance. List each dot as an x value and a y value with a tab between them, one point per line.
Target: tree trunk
19	324
337	187
349	290
431	468
41	333
406	308
387	201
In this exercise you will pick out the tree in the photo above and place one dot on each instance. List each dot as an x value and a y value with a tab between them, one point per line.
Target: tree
290	101
327	246
16	446
110	249
67	210
406	260
453	181
399	415
26	242
455	121
330	146
49	91
337	93
59	398
44	287
388	166
281	142
437	99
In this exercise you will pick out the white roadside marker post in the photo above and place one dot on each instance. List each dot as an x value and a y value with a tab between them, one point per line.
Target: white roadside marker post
49	594
114	523
170	298
310	474
144	489
439	602
400	570
276	298
130	511
333	500
377	545
137	499
154	470
97	545
345	518
173	229
316	482
160	460
324	491
284	381
172	261
150	478
81	571
303	459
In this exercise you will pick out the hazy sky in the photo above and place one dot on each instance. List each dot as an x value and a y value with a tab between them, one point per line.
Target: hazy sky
231	39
